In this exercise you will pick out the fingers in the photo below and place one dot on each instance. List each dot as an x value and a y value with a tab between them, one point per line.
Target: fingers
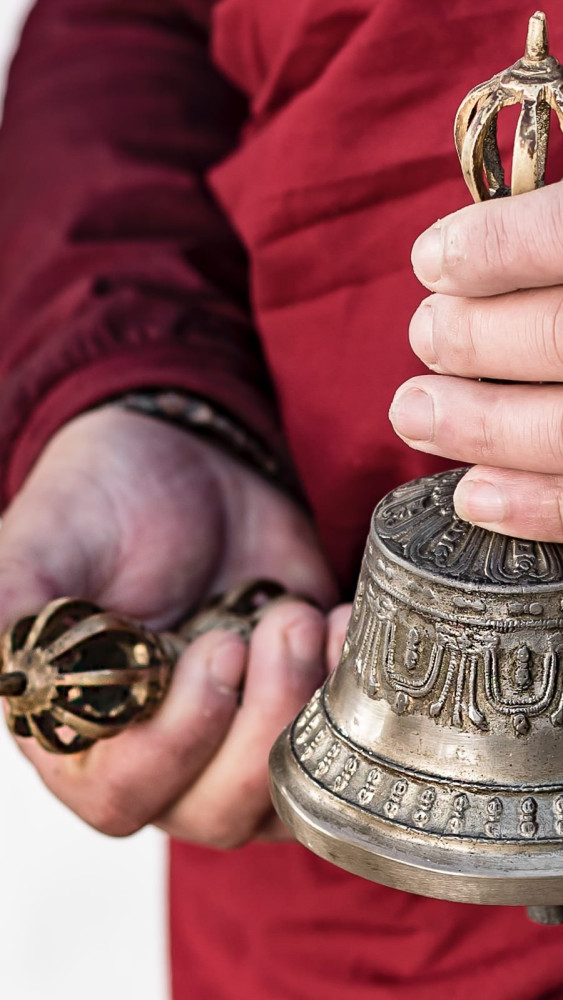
480	325
512	426
123	783
517	336
514	503
337	625
231	800
513	432
495	247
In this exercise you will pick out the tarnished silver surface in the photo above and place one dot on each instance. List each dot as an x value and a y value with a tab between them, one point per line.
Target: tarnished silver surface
432	760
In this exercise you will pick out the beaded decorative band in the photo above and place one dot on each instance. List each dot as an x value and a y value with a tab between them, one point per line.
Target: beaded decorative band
209	421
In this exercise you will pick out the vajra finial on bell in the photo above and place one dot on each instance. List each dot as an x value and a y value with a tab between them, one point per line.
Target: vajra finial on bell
535	82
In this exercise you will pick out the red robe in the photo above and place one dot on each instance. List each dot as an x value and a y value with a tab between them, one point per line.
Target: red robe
126	162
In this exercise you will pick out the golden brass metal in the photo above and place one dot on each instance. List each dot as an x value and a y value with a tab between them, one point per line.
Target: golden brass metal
84	674
75	674
432	759
535	82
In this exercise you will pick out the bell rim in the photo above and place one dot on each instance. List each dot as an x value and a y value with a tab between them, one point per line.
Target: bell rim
334	833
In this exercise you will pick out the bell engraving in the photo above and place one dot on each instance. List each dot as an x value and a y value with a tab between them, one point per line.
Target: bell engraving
434	772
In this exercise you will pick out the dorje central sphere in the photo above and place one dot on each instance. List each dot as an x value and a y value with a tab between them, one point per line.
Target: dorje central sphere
432	759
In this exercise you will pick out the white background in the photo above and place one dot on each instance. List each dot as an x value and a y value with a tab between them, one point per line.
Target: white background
81	916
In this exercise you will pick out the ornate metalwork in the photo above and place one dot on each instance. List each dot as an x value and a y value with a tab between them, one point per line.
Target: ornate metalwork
83	675
535	82
431	759
417	523
75	674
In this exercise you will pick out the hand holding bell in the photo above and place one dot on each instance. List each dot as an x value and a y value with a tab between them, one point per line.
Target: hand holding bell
432	759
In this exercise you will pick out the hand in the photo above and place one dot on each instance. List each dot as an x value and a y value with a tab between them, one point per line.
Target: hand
496	271
147	520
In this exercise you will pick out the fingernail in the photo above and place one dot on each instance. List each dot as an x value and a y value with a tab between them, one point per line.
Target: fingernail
479	501
421	332
427	255
412	414
226	665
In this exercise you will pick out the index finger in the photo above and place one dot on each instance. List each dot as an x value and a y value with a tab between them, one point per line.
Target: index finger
495	247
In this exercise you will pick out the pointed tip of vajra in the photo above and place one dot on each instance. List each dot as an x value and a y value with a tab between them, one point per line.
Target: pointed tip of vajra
537	42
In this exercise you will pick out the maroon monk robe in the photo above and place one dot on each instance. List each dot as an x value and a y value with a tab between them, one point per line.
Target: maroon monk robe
118	270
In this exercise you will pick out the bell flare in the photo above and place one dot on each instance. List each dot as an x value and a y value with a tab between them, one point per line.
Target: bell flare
432	758
405	858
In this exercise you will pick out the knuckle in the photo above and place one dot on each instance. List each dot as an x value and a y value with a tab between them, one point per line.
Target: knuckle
550	436
538	225
556	518
223	839
337	626
486	441
479	242
222	817
550	341
291	613
457	343
107	813
549	229
497	247
219	829
546	522
557	509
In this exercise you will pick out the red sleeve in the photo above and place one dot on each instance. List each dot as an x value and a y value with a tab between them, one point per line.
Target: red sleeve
117	269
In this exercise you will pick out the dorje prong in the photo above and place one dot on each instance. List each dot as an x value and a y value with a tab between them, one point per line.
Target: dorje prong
537	42
535	82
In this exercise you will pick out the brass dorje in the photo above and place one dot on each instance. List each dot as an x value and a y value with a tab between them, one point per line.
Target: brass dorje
74	674
432	759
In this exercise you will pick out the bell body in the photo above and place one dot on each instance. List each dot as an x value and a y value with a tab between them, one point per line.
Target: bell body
432	759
